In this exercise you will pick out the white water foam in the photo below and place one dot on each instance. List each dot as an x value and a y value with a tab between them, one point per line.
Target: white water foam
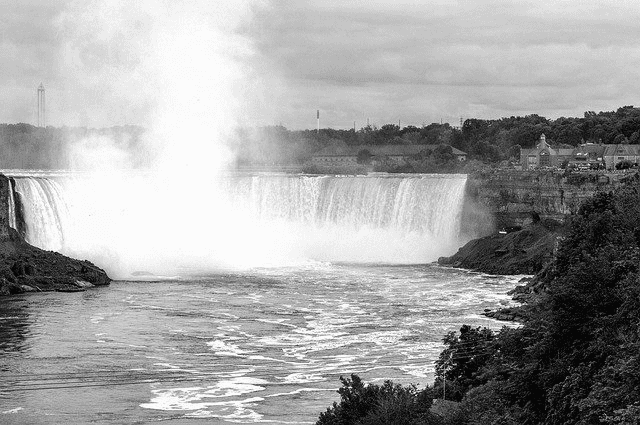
255	220
193	400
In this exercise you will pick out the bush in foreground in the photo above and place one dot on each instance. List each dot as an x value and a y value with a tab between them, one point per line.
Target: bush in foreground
372	404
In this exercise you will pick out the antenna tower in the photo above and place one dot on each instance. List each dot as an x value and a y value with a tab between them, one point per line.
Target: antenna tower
42	110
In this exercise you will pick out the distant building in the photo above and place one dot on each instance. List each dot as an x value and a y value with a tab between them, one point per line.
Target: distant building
333	156
613	154
543	155
585	156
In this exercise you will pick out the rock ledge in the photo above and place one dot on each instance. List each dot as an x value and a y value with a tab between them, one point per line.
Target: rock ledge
25	268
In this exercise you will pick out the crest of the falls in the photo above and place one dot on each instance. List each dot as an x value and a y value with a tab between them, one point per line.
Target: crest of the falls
244	221
428	205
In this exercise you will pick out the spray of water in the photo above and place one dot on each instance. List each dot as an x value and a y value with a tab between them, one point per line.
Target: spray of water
185	67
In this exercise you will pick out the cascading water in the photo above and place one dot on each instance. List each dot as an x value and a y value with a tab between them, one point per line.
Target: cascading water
45	212
13	223
430	205
261	220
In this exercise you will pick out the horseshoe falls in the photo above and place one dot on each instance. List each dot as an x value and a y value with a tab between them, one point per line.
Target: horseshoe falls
239	299
130	224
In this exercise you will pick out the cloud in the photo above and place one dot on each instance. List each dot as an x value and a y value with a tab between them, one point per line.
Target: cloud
414	60
421	61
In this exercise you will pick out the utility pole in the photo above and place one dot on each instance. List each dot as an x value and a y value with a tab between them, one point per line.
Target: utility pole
318	118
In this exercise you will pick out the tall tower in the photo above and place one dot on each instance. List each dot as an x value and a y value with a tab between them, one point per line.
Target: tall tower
42	110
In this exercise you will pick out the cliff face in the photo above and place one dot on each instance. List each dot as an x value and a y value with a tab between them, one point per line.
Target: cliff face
25	268
519	198
533	206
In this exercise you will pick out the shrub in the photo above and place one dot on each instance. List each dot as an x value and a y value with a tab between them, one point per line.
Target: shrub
372	404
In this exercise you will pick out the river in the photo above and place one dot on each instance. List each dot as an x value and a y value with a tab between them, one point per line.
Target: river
266	345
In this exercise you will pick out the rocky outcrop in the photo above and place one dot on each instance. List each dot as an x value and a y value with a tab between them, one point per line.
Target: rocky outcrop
524	251
25	268
518	198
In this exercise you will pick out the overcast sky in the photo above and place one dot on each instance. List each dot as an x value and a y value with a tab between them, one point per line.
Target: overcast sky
113	62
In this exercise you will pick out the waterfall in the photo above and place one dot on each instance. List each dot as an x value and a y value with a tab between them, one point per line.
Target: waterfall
430	205
45	212
13	223
245	220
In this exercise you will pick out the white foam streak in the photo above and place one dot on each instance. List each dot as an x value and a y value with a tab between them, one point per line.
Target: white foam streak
195	400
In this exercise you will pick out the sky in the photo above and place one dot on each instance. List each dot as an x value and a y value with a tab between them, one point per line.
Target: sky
116	62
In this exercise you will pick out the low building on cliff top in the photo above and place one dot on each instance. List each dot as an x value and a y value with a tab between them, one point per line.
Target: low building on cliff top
585	156
339	156
588	156
614	154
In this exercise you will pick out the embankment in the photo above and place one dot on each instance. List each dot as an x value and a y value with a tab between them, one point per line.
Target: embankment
25	268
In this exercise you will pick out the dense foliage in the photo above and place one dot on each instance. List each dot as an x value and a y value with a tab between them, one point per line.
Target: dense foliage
576	360
379	404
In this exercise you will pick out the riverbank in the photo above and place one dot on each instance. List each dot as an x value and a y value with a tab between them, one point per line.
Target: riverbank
25	268
522	252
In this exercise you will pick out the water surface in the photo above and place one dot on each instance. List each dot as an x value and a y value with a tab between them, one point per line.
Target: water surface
267	345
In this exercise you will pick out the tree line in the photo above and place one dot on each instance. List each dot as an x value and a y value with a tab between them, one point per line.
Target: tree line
489	141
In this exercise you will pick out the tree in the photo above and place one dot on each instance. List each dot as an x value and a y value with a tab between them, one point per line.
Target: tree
460	362
624	165
364	156
379	404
